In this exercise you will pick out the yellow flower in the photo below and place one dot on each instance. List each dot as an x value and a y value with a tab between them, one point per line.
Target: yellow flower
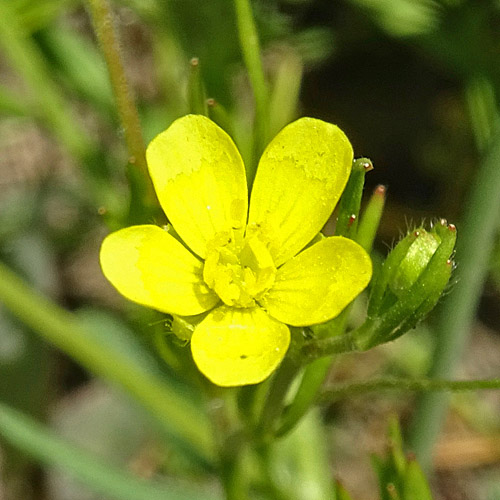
243	262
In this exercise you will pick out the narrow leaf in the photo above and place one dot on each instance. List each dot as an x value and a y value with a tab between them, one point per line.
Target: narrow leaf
99	476
180	417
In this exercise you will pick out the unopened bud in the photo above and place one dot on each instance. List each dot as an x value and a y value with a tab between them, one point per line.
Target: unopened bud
415	261
409	285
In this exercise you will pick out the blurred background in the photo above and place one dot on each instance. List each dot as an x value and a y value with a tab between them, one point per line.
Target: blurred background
413	83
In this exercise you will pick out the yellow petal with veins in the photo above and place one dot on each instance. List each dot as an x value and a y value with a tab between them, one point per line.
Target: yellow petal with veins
235	347
199	177
300	178
317	284
149	266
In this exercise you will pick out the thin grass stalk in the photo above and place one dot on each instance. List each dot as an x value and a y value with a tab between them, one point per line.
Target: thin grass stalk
140	184
477	232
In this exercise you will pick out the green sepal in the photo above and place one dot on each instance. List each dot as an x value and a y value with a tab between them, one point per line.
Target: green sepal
350	203
220	115
389	269
183	326
414	262
347	223
197	99
370	219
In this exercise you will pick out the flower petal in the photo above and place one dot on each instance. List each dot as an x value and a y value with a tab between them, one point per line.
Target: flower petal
149	266
200	180
300	178
235	347
317	284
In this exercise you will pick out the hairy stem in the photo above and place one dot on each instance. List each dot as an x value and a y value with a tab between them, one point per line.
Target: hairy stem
480	223
140	185
399	384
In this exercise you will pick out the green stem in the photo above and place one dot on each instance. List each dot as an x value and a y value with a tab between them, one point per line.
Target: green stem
274	403
263	455
307	393
250	47
479	226
231	444
318	348
232	475
141	187
427	385
177	415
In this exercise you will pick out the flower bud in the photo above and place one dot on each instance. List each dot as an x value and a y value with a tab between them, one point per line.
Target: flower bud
415	261
409	285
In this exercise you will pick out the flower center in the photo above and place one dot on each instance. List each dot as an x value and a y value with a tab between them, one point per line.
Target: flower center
239	272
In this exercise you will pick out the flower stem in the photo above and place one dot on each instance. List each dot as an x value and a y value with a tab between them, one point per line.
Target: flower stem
140	185
480	223
274	403
319	348
250	47
427	385
306	395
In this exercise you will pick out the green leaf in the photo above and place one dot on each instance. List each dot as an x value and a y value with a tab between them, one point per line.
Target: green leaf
81	65
37	15
26	58
98	475
179	416
340	492
403	18
11	104
284	98
415	486
300	461
396	456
